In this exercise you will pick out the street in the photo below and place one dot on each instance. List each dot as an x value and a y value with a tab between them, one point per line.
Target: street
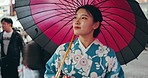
137	68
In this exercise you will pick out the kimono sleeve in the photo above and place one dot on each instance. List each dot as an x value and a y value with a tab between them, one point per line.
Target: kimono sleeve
52	64
114	69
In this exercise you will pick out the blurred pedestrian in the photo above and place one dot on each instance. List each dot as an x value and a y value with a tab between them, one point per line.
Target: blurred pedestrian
11	45
26	37
35	58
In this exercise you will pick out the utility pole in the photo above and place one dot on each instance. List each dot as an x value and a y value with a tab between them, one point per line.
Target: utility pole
11	8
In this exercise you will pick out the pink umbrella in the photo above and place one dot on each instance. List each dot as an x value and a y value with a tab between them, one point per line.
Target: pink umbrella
49	23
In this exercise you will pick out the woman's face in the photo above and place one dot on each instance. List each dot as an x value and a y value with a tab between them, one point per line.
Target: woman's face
83	23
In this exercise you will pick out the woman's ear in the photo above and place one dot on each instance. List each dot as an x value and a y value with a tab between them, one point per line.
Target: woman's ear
96	25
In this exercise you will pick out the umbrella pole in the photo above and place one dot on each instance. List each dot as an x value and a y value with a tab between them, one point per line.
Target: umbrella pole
67	51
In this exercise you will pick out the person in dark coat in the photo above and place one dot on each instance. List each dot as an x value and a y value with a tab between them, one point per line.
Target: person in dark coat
11	45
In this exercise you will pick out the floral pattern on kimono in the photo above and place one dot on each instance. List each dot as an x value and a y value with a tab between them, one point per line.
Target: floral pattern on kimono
95	61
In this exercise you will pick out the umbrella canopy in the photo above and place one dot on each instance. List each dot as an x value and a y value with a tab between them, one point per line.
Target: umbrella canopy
49	23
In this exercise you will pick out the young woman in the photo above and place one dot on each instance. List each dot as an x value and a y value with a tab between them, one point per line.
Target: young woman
87	58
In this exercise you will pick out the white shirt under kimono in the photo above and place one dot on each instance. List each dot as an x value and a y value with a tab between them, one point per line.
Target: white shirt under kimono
95	61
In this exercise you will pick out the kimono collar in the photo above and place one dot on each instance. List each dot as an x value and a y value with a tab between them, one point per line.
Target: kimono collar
96	41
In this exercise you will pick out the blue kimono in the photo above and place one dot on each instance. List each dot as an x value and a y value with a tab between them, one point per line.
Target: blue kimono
95	61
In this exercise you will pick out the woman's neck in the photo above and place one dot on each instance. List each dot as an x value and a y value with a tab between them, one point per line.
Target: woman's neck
86	41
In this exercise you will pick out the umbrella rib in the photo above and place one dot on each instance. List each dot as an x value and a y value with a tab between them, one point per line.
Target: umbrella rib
87	2
111	35
102	2
21	6
120	25
84	2
124	38
115	42
61	4
75	4
69	5
124	19
92	2
42	12
61	7
57	21
44	4
57	32
125	29
104	36
62	28
52	24
122	9
117	8
47	10
71	2
46	19
65	35
119	16
47	42
80	4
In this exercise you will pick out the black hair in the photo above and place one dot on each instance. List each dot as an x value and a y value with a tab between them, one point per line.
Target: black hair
8	20
97	16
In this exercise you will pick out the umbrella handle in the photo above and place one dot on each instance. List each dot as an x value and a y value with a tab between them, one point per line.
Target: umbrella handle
67	51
